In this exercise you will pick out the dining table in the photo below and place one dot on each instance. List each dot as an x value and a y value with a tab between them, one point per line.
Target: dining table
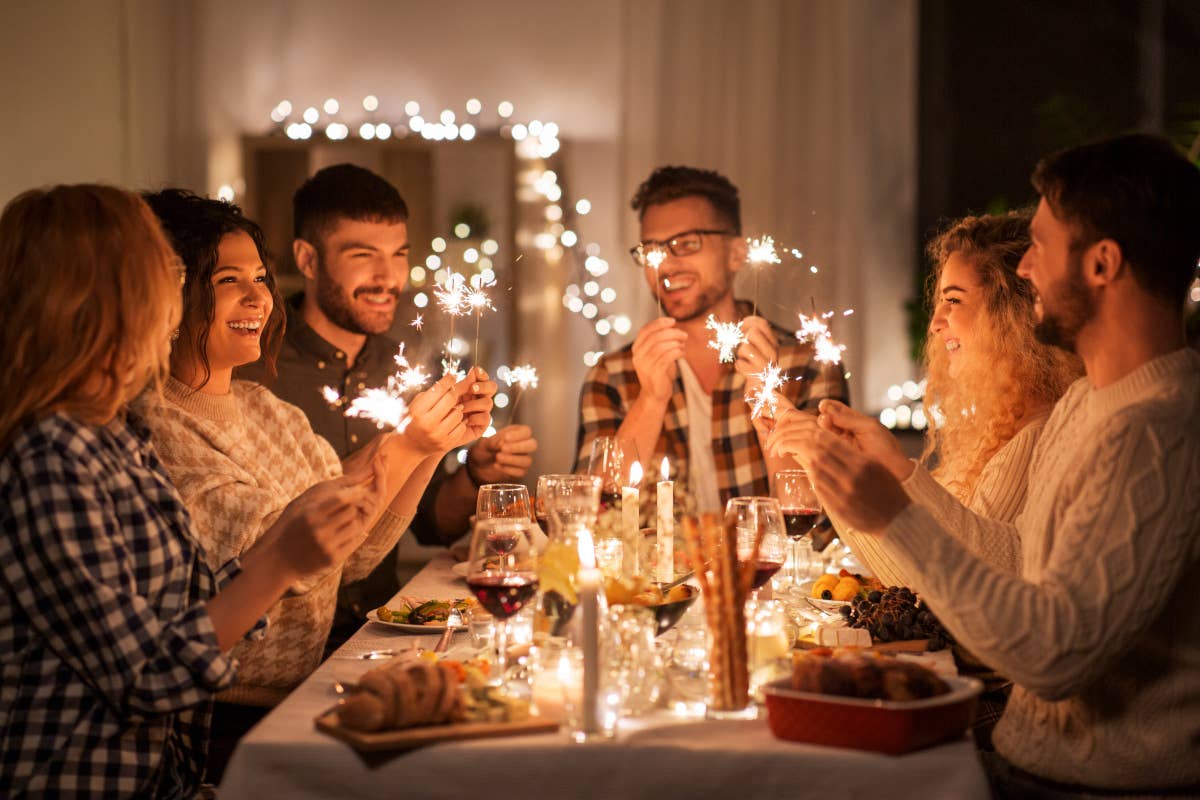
654	756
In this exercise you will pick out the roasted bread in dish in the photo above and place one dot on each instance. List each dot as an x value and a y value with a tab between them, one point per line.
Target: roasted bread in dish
864	675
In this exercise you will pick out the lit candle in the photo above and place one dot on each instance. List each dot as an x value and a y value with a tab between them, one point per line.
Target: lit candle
630	511
589	605
666	526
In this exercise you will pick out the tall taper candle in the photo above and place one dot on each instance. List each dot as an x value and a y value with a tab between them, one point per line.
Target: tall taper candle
630	512
666	526
589	604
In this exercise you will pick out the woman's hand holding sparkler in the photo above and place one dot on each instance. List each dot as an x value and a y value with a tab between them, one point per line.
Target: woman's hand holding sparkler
504	457
475	393
852	486
437	423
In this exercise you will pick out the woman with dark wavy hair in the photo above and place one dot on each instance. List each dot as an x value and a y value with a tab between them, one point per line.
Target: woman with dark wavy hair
239	454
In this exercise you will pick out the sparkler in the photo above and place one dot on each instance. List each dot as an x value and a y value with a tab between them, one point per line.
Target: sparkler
654	260
385	407
760	252
771	380
523	377
727	337
478	300
815	329
418	322
451	296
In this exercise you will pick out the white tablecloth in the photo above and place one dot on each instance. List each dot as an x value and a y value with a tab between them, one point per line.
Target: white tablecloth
655	758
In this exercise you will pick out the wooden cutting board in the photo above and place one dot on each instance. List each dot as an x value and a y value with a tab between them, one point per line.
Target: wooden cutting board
411	738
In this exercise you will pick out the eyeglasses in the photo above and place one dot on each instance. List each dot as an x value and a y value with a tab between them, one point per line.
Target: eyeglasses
687	243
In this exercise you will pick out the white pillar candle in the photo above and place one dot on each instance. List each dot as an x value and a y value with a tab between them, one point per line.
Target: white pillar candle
666	526
589	606
630	512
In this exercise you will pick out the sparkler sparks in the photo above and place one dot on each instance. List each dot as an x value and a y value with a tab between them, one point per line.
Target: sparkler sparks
816	330
418	322
385	407
451	294
762	251
331	395
727	337
523	377
770	380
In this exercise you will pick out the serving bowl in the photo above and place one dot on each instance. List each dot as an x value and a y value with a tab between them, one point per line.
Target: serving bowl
667	614
881	726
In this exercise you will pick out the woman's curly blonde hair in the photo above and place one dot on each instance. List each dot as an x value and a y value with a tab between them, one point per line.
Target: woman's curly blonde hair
1006	374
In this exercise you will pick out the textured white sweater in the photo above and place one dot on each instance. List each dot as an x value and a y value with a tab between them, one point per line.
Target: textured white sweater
1100	630
999	494
238	459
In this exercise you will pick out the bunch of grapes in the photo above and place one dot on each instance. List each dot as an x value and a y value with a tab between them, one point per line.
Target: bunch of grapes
895	615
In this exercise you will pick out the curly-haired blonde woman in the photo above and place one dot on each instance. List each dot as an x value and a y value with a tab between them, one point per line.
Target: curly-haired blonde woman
991	384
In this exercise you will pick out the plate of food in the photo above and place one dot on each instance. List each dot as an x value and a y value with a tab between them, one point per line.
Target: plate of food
420	614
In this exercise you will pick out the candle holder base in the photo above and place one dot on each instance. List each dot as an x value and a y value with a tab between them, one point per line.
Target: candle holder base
749	712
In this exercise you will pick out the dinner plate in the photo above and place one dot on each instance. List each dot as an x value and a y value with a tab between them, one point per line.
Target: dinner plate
404	626
461	569
828	605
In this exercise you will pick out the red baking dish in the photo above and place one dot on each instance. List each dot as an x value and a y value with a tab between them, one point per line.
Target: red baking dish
882	726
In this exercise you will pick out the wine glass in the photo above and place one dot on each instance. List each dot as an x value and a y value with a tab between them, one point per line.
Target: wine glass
753	517
503	572
546	485
801	512
607	462
503	501
573	500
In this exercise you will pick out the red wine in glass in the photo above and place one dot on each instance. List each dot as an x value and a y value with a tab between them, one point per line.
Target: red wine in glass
543	522
502	542
763	571
799	521
503	595
609	499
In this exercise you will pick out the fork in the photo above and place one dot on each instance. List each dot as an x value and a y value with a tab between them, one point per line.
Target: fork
453	620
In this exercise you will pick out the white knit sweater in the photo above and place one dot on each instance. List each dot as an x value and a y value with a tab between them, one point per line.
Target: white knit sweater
238	459
999	494
1100	630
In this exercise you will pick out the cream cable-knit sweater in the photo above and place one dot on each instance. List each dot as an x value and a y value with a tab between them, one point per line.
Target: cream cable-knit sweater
238	459
999	494
1100	630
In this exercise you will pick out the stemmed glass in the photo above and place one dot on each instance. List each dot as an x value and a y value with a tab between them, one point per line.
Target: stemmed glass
749	516
564	500
503	501
503	572
801	512
546	485
607	462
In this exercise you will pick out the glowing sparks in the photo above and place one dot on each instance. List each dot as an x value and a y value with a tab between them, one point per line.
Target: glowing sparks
654	258
523	377
762	251
764	398
476	298
418	322
331	395
727	337
413	377
451	294
450	366
385	407
815	329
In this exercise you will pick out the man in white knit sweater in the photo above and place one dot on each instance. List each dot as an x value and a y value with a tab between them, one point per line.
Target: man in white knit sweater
1100	630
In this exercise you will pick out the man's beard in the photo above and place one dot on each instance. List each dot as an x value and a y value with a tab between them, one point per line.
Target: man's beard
706	300
1060	327
336	305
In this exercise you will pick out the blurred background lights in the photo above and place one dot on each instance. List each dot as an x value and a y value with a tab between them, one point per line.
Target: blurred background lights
438	244
420	300
490	247
462	230
225	193
367	131
383	131
412	108
311	115
505	109
370	103
474	106
583	206
331	106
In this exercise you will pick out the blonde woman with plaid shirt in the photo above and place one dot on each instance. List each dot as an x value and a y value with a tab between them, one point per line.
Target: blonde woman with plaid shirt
115	633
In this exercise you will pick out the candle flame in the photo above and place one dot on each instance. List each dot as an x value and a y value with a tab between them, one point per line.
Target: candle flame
665	471
635	475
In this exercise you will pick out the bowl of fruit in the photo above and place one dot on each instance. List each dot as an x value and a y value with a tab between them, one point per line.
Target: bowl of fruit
668	608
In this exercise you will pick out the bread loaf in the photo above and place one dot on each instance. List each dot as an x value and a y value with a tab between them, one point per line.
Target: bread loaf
866	675
403	695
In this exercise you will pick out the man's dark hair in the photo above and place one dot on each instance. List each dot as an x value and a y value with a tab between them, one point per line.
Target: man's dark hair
195	226
672	183
1137	190
344	191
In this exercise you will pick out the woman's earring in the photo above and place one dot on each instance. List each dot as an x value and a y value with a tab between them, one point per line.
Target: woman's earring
174	334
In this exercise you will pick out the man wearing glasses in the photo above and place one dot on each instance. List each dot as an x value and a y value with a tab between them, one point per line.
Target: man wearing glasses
667	394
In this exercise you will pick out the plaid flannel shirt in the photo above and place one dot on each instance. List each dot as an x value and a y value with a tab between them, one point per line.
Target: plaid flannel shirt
610	387
108	658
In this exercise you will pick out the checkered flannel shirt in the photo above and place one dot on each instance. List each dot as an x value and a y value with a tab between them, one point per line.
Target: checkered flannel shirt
610	387
108	658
